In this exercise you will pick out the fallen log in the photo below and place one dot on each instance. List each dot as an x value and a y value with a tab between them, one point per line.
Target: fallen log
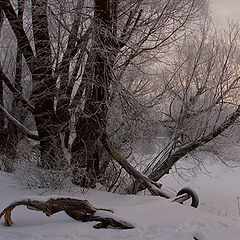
80	210
153	187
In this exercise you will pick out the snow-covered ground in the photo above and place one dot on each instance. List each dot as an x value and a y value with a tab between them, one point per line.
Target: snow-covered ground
153	217
218	191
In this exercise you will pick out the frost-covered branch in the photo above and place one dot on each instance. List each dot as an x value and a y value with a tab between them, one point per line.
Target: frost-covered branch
20	126
182	151
165	166
15	91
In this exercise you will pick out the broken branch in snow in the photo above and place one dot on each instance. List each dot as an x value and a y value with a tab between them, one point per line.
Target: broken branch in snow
80	210
152	186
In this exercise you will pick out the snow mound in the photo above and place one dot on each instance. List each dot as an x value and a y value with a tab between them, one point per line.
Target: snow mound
155	219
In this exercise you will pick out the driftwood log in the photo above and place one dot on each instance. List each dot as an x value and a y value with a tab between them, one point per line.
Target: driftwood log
80	210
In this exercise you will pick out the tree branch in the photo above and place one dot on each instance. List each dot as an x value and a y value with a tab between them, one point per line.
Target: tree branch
19	125
162	168
152	186
15	91
182	151
19	32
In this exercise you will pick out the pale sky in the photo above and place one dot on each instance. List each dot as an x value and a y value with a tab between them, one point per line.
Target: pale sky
223	9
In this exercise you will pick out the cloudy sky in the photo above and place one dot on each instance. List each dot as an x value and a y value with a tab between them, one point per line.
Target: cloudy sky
223	9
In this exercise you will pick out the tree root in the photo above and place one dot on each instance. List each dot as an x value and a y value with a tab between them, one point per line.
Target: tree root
80	210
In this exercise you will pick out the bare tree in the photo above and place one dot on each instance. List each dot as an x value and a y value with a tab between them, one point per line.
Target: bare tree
87	61
203	93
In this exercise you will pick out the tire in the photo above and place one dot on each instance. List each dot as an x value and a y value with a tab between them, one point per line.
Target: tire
193	194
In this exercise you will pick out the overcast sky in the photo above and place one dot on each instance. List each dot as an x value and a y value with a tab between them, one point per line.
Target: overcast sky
222	9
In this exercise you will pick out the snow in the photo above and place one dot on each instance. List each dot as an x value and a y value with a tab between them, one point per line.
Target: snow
219	191
153	217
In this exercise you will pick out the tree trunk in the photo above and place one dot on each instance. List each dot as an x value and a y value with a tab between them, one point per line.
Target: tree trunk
2	118
91	125
44	90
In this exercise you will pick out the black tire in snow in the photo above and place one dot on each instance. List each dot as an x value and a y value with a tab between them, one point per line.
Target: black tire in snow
192	193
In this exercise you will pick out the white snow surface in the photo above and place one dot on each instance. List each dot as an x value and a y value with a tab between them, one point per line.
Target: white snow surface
154	218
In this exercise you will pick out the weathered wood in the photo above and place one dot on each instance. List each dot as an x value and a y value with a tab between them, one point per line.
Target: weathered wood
182	198
80	210
104	222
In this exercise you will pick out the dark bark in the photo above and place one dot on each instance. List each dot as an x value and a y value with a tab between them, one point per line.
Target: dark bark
91	124
19	107
44	90
85	148
1	102
97	78
2	118
16	93
64	94
40	67
16	24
